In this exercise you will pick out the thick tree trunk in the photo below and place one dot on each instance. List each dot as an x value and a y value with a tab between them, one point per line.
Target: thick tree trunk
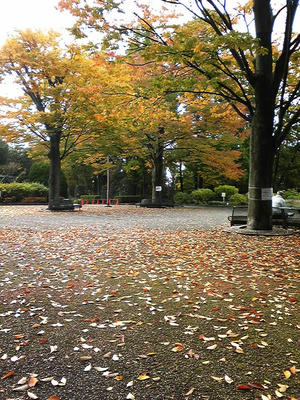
157	173
54	173
262	147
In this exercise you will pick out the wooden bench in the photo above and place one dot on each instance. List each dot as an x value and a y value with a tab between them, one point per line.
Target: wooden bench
285	216
67	205
149	203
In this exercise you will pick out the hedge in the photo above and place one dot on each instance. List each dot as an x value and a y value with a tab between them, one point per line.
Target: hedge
17	192
227	189
202	195
182	198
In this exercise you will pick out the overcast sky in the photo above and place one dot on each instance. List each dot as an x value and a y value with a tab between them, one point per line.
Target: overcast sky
34	14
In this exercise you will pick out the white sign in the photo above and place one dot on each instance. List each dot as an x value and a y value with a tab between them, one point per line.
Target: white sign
158	188
266	193
223	194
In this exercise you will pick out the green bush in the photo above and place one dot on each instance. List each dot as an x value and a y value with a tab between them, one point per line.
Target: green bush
229	190
291	194
238	199
18	191
90	197
182	198
202	195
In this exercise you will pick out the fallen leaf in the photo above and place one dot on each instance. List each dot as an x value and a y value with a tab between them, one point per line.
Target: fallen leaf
8	374
256	385
32	382
228	379
53	397
216	378
143	377
190	392
177	347
243	386
287	374
32	395
22	388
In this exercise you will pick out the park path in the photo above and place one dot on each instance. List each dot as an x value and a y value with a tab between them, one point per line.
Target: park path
116	217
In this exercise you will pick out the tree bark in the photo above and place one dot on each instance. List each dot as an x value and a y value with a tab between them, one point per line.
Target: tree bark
54	172
262	147
157	172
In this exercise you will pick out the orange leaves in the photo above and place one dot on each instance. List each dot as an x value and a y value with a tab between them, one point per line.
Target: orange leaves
177	347
250	386
8	375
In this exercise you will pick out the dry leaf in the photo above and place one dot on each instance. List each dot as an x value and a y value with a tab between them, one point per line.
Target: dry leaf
228	379
243	386
22	388
32	382
287	374
32	395
213	347
8	374
190	392
177	347
143	377
216	378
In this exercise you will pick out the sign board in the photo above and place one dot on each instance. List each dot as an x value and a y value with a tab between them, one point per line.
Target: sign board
223	194
158	188
266	193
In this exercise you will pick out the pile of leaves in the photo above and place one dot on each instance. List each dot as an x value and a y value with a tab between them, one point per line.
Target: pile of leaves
148	314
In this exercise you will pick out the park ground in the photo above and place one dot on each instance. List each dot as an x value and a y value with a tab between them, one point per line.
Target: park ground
147	304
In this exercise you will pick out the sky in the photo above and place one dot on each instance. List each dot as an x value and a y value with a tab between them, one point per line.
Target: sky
43	15
34	14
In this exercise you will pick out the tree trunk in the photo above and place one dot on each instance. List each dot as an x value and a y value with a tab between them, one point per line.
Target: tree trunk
54	173
181	177
157	173
262	147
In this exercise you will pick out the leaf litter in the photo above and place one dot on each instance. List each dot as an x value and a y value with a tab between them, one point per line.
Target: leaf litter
148	313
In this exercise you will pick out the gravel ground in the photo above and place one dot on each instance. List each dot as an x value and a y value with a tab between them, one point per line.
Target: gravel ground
116	217
127	303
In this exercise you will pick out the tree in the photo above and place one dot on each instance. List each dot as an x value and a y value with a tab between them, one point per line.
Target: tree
48	113
259	80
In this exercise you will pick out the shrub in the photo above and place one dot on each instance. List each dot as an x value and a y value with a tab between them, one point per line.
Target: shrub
229	190
38	199
238	199
182	198
202	195
291	194
18	191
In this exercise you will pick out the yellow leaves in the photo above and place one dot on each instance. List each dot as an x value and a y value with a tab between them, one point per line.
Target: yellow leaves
143	377
212	347
287	374
178	347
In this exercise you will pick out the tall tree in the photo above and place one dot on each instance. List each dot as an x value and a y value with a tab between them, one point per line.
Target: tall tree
258	80
49	112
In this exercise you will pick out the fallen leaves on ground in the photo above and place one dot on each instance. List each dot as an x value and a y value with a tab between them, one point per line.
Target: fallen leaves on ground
147	313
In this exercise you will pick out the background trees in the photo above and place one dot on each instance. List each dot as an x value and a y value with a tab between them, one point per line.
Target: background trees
165	98
49	113
244	68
